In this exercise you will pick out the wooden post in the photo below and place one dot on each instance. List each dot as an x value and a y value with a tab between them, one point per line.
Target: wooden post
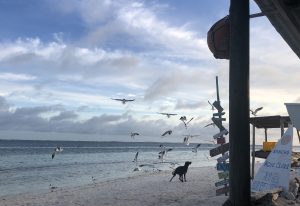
266	135
281	127
253	150
239	175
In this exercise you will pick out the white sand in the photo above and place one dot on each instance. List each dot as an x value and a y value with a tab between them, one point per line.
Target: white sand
145	189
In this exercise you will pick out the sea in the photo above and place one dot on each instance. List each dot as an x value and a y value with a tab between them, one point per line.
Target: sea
26	166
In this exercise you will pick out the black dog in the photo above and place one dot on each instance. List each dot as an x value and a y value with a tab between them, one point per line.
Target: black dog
181	171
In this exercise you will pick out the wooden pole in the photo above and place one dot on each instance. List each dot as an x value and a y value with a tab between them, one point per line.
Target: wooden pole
253	151
239	137
266	135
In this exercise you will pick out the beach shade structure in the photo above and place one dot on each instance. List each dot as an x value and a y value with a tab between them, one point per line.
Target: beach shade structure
218	38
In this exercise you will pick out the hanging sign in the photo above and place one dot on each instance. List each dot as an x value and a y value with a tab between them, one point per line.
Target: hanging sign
224	166
223	158
223	182
223	175
219	150
222	190
275	171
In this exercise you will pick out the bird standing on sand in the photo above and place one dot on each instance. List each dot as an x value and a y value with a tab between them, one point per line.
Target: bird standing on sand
56	150
254	112
167	114
124	100
133	134
169	132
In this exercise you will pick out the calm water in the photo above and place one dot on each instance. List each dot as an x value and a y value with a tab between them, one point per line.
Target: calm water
27	167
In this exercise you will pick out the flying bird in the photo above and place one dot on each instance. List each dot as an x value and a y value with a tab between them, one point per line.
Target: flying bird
183	119
167	114
163	152
56	150
254	112
136	157
133	134
169	132
210	124
124	100
187	137
212	106
195	149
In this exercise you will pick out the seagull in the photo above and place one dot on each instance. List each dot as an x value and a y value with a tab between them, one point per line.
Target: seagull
133	134
124	100
51	187
136	162
186	139
195	149
57	149
167	114
136	156
212	106
169	132
183	119
210	124
163	152
93	179
255	111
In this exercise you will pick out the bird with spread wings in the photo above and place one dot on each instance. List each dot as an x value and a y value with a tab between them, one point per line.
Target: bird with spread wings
124	100
254	112
167	114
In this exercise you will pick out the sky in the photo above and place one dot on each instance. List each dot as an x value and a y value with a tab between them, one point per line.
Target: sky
62	62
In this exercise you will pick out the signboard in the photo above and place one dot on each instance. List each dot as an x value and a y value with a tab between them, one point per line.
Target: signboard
218	123
223	175
221	140
222	190
223	182
275	171
218	114
223	132
223	166
223	158
218	106
219	150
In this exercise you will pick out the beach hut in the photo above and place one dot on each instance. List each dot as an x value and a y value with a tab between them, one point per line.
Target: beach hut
265	123
284	15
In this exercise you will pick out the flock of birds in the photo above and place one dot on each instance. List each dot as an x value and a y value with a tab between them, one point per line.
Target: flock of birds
163	152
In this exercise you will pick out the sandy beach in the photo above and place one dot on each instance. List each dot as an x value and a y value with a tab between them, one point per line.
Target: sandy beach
142	189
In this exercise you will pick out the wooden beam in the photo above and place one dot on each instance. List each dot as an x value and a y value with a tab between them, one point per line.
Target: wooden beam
239	175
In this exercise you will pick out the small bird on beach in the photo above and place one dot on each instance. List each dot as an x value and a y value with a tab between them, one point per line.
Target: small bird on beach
167	114
94	180
195	149
133	134
124	100
254	112
56	150
169	132
51	187
212	106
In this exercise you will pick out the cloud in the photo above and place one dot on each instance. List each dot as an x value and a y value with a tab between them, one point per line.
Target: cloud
189	105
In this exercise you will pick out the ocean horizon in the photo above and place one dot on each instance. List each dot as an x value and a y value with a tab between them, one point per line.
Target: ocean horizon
26	166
